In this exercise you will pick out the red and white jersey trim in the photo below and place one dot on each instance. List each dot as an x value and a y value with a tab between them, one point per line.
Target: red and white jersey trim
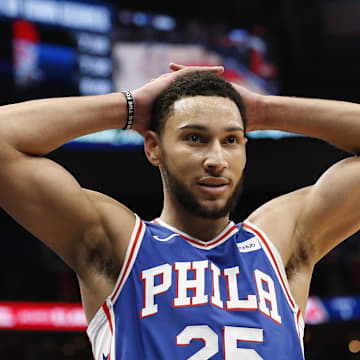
229	231
100	333
101	328
275	259
130	257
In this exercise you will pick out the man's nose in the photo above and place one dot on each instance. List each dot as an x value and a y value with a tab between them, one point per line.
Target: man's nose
215	160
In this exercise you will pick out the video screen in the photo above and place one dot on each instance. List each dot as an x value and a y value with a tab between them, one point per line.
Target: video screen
54	49
69	48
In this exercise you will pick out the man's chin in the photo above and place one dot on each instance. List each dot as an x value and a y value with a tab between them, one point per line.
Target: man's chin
211	204
210	210
214	204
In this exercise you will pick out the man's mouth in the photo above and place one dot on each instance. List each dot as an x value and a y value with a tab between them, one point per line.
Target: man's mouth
213	185
214	181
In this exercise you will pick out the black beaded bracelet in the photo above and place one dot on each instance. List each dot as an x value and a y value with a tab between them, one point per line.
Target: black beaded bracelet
131	108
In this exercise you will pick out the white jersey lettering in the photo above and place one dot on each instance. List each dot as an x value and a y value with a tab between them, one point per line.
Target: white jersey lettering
215	298
183	283
265	300
151	290
267	295
234	303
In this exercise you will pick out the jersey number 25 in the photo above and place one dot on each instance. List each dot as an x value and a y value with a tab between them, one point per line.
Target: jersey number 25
232	335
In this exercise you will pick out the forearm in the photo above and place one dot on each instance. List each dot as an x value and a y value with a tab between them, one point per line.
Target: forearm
336	122
40	126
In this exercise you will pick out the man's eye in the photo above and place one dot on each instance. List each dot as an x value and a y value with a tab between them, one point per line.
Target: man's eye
193	138
231	140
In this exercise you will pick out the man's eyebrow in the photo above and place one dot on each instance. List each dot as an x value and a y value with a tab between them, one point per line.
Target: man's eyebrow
234	128
203	128
196	127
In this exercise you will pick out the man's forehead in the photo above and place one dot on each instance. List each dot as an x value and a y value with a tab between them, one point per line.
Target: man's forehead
201	103
195	126
205	110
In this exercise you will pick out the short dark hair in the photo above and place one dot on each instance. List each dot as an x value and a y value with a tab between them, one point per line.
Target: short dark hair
192	84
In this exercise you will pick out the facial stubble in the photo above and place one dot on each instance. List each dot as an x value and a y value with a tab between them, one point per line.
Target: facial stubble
188	201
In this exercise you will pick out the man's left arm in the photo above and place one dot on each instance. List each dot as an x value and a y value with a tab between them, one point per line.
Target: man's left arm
330	209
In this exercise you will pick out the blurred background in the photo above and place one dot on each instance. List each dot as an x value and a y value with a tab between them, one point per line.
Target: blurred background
51	48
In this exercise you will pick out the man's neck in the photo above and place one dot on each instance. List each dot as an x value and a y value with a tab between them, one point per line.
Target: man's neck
201	228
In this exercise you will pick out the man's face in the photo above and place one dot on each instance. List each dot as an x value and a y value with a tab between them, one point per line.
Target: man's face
203	148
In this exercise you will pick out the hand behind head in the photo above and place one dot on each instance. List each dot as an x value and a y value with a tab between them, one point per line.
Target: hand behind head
145	95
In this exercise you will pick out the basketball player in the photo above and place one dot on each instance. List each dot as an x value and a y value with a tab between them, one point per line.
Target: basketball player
190	284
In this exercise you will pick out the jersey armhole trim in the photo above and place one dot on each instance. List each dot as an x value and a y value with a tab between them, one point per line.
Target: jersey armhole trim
130	257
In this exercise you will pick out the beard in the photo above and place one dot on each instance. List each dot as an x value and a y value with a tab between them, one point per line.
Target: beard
188	201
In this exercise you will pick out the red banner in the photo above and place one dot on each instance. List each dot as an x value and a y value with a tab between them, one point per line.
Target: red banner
42	316
71	317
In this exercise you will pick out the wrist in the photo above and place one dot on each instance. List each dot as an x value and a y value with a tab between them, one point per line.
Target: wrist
142	111
264	106
130	102
256	111
278	112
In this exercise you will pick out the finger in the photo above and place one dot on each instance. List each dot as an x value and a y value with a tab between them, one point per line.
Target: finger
185	69
214	69
176	67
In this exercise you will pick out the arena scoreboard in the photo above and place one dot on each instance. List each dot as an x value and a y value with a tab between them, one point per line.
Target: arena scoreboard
54	48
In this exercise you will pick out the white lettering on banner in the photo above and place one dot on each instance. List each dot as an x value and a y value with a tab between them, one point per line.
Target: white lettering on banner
42	316
94	44
95	65
93	86
94	17
7	318
91	17
10	8
42	11
61	318
265	298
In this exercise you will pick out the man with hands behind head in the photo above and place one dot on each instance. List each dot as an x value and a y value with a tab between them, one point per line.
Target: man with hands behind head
190	284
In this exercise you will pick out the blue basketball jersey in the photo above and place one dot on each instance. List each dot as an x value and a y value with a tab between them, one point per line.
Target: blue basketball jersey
178	298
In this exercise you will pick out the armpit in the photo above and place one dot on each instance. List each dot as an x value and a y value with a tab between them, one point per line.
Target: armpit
300	258
99	256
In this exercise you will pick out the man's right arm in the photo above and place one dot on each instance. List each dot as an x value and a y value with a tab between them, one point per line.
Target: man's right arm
38	193
88	230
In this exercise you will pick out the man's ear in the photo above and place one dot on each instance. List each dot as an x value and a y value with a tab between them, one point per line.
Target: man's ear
152	147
